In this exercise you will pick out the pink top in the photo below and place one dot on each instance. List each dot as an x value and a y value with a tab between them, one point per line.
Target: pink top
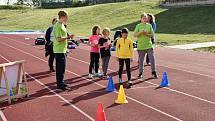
95	40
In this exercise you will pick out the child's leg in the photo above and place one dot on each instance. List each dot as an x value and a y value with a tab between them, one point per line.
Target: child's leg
60	69
121	65
150	52
153	40
141	55
147	59
97	62
51	61
128	63
92	61
106	65
103	64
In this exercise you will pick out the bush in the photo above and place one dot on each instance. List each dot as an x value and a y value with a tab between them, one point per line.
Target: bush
78	3
56	5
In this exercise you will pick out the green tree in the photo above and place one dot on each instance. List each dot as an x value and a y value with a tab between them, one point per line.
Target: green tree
36	2
20	2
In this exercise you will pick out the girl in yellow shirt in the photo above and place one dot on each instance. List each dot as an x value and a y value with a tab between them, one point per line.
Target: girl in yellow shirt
124	53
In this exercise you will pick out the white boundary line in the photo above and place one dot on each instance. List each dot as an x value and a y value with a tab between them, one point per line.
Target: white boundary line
3	116
139	102
62	98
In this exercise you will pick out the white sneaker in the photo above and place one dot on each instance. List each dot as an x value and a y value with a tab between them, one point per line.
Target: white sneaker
98	74
90	76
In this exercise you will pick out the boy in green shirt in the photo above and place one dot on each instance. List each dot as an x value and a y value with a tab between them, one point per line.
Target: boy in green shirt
60	48
144	32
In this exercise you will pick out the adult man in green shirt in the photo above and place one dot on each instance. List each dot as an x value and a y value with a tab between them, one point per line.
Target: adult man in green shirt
144	32
60	48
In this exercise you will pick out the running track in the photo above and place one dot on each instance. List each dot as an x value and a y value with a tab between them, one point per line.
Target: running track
190	96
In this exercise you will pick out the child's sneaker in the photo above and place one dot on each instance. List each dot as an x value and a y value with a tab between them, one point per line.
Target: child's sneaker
105	77
120	81
149	64
98	74
154	74
93	72
90	76
140	76
129	84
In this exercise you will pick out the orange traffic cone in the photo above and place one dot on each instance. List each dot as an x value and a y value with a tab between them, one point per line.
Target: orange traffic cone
121	99
100	115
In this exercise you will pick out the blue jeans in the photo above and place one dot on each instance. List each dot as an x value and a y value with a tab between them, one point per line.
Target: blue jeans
105	62
60	68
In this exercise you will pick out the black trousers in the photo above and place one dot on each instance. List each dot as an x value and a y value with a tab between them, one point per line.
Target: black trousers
121	65
94	62
60	68
51	61
147	59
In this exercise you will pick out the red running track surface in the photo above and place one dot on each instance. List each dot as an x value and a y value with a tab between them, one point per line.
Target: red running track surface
189	98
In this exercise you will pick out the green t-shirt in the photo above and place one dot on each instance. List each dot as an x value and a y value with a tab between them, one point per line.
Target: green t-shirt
59	30
144	42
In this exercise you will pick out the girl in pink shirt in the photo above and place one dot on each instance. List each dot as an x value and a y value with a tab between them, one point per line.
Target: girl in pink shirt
94	52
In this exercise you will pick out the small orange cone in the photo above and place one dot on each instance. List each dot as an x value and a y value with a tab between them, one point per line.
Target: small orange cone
100	115
121	99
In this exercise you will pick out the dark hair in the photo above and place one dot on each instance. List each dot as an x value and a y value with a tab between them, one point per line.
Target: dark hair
94	30
53	20
117	34
152	18
125	30
62	13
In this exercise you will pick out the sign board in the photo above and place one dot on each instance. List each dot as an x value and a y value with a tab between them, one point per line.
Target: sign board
13	82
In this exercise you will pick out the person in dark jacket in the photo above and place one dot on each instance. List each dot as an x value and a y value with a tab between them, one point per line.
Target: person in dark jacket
49	45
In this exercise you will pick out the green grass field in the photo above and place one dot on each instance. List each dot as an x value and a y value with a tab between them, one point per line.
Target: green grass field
175	26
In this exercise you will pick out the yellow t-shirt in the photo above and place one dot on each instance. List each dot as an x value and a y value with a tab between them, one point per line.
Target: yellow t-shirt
124	48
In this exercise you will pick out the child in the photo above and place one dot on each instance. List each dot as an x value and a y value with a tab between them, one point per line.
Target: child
104	45
144	32
124	53
117	35
94	52
151	20
49	45
60	48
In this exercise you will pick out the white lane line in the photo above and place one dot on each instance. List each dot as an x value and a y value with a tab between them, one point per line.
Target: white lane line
62	98
141	103
134	88
3	116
